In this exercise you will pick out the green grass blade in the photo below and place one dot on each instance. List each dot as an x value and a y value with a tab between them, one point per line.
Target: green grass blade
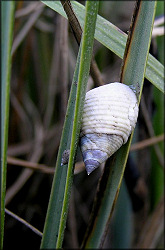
157	174
115	40
137	48
85	60
59	199
51	227
112	177
7	18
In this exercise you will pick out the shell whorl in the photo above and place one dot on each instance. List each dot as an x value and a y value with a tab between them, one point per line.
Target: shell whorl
109	116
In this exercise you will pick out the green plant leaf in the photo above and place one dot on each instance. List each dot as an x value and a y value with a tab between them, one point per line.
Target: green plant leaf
157	174
61	188
51	227
110	182
115	40
7	18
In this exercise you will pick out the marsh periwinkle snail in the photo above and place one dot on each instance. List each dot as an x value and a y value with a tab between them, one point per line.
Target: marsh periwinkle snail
109	116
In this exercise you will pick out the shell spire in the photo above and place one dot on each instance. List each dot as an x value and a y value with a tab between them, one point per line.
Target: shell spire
91	163
109	116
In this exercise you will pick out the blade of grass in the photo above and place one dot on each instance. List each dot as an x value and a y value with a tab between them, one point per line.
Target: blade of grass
77	31
138	44
61	188
52	221
137	47
85	61
115	40
157	175
7	18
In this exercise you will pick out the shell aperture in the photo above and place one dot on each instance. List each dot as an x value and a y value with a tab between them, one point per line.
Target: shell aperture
109	116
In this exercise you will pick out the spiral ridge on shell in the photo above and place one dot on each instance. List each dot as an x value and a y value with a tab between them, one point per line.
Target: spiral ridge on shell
109	116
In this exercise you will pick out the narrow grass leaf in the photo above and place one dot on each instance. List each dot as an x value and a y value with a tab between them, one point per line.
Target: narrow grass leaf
7	18
51	227
110	182
157	174
85	60
115	40
59	200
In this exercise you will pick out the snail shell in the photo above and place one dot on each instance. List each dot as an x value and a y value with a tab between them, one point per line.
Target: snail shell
109	116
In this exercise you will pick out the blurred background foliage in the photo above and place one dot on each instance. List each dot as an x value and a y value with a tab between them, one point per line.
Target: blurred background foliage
43	60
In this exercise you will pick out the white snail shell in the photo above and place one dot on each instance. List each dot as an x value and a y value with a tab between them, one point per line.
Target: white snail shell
109	116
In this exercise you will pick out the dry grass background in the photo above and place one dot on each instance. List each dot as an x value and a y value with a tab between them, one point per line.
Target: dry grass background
44	56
